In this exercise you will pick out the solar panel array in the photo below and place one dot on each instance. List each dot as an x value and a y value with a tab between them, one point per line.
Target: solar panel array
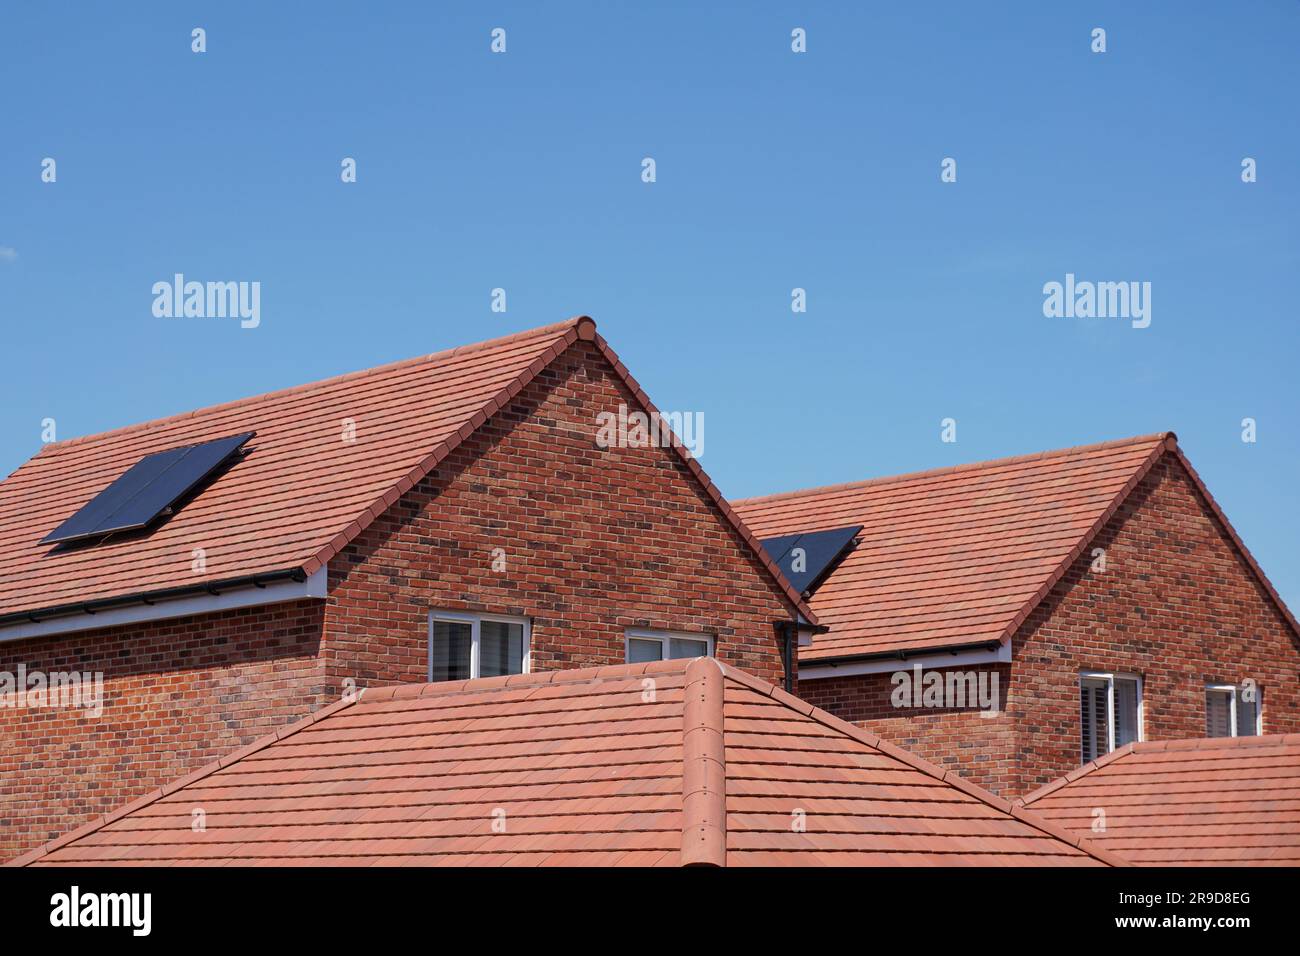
147	489
807	557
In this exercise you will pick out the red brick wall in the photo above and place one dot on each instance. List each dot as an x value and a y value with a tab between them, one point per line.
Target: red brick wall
595	541
980	747
176	695
1176	605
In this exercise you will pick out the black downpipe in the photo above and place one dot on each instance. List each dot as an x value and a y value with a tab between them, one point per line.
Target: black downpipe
787	653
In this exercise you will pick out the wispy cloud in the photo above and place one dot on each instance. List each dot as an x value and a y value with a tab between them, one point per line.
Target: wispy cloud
8	253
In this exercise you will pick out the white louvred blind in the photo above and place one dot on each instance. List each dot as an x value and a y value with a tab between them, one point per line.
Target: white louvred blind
1218	713
1093	717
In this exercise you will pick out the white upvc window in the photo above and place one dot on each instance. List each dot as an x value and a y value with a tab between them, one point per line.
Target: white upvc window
463	646
644	645
1110	712
1228	712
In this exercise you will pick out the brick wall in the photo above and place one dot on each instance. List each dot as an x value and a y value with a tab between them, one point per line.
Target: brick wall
979	745
1176	605
176	695
594	541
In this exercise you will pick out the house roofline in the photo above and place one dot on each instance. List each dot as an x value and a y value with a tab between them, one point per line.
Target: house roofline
580	328
955	469
1167	444
53	448
583	328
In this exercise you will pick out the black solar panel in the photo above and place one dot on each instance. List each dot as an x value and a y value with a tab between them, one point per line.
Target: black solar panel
147	489
806	558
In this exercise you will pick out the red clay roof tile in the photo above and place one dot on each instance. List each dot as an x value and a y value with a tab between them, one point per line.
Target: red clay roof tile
575	768
1213	801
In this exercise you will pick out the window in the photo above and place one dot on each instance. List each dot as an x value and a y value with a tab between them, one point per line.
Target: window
1229	714
1110	712
646	646
462	646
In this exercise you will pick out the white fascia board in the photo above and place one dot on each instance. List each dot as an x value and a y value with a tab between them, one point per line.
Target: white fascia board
935	659
276	592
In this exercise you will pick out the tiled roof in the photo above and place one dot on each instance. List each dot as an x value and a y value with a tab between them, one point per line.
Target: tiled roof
678	762
301	494
957	556
1227	801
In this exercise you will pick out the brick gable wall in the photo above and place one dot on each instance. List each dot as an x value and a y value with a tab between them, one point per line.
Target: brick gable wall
1176	604
594	541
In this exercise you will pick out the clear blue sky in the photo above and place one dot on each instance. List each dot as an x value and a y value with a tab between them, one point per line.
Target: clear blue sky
775	170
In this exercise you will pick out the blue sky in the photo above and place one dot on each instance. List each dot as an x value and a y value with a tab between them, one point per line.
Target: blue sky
775	170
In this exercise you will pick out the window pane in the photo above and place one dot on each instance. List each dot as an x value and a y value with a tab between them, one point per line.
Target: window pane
500	649
1126	711
1247	713
449	654
641	651
1218	713
679	647
1093	717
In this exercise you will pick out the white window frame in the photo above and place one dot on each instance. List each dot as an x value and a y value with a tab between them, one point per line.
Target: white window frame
475	622
1233	690
1109	677
663	637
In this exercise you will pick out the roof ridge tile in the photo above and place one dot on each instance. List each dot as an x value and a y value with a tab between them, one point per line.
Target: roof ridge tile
952	469
53	448
704	766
